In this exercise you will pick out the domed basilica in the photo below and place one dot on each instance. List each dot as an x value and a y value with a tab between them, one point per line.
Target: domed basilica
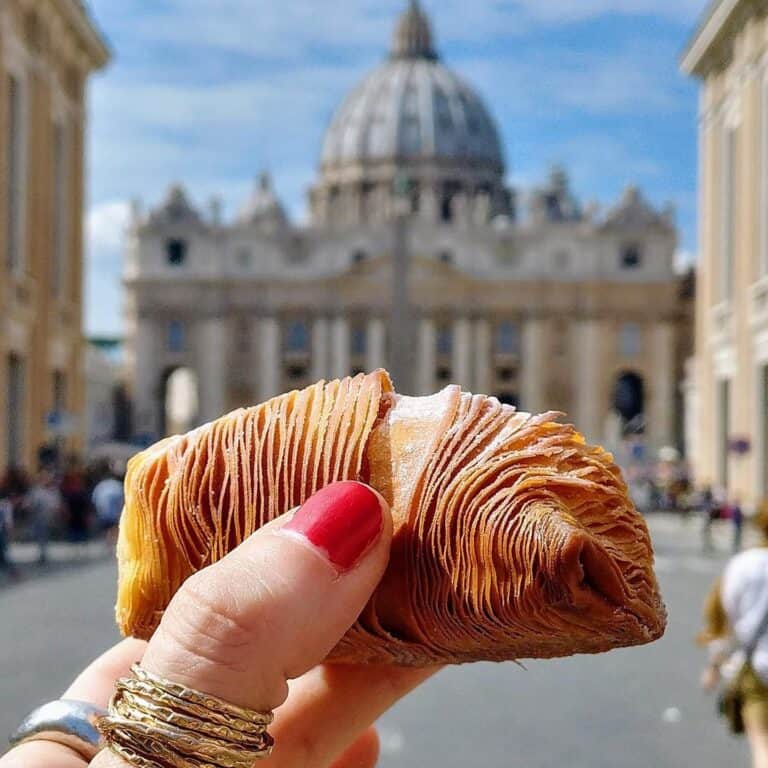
417	257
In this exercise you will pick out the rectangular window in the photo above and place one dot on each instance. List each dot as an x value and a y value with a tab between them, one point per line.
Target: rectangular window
444	345
176	336
629	340
359	340
59	392
60	250
762	467
15	410
723	431
728	239
507	338
15	180
763	261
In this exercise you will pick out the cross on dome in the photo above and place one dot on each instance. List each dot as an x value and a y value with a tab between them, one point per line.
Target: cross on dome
413	35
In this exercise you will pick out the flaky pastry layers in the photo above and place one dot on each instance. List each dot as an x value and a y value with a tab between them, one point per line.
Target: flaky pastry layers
512	538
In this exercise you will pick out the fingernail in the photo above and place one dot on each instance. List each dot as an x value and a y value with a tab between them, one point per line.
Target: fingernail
342	520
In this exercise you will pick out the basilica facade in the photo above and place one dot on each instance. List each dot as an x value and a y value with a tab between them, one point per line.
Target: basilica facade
419	258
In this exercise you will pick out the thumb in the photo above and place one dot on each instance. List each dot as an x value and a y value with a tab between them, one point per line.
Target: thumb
274	607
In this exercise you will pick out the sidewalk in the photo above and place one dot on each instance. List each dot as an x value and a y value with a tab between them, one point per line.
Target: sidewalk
61	556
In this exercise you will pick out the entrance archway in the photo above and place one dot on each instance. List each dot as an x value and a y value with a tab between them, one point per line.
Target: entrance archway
509	398
629	402
179	401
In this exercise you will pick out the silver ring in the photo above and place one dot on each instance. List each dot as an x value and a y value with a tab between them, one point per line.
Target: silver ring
67	722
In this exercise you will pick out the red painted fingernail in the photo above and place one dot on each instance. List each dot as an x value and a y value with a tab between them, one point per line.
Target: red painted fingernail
342	520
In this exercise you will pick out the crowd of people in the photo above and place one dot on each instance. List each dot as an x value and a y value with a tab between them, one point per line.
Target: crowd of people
74	504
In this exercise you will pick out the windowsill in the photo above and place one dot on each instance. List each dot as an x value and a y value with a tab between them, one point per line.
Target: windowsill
721	319
759	303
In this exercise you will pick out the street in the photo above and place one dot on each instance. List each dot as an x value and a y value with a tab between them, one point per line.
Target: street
635	708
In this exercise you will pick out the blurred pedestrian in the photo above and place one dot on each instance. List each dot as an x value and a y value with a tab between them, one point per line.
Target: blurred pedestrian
707	518
736	633
77	503
737	522
108	500
43	501
6	531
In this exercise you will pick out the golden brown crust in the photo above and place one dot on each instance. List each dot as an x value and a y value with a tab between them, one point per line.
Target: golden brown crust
513	539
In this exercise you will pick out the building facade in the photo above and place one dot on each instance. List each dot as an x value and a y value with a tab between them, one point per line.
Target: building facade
417	257
729	54
48	48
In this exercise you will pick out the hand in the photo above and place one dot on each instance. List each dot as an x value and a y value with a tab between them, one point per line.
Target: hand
710	678
254	628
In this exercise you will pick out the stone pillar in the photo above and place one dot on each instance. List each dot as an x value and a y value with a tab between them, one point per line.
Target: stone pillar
660	409
211	357
533	365
340	358
427	356
270	363
461	362
147	391
320	363
376	356
590	408
483	356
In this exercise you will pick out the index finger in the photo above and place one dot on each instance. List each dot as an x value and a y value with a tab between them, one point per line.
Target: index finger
94	685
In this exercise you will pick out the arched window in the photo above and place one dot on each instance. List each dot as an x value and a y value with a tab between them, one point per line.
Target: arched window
359	256
297	337
176	336
629	401
176	251
507	340
445	256
631	256
180	401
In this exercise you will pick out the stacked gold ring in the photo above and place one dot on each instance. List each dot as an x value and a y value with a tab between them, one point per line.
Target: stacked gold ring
156	722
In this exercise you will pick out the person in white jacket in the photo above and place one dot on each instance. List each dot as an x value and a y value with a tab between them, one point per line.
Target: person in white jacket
736	616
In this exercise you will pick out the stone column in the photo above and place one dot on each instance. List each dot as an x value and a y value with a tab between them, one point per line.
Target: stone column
427	359
483	356
461	362
147	385
270	363
320	364
211	357
340	358
660	409
590	408
533	365
375	356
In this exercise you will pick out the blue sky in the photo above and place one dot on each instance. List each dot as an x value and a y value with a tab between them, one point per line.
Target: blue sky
209	92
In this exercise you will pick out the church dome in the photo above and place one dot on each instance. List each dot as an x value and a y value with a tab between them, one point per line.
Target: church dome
413	108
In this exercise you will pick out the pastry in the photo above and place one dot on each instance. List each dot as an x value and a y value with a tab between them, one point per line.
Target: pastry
513	538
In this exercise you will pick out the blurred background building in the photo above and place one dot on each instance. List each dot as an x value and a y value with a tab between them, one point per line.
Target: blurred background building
729	437
419	258
47	52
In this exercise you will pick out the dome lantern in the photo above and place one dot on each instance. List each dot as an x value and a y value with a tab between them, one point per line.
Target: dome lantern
413	35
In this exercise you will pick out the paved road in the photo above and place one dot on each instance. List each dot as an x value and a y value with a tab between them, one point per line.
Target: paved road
637	708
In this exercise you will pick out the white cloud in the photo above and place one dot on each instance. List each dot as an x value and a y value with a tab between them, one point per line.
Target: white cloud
105	227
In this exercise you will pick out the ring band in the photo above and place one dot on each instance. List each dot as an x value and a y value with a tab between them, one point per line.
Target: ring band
154	721
65	721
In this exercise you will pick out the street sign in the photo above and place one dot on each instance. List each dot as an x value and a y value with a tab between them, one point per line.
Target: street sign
740	445
60	423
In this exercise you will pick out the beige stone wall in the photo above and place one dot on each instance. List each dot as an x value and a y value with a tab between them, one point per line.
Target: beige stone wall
50	48
731	330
